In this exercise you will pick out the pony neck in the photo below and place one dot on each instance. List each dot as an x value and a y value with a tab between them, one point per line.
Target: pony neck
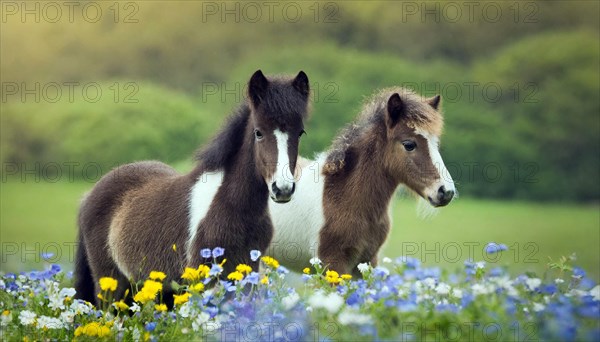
367	186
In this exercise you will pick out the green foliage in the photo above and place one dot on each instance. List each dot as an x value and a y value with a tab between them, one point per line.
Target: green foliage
538	140
151	123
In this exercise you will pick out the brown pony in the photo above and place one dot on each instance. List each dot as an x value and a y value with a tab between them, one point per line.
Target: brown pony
132	218
340	209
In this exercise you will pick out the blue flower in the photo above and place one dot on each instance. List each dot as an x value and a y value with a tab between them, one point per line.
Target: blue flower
252	278
217	252
150	326
409	261
493	247
212	311
47	256
228	286
215	270
254	254
578	272
205	253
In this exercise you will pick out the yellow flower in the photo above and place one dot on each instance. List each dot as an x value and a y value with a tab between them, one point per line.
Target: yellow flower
346	276
190	274
270	261
243	268
100	296
306	270
148	292
235	276
180	299
264	280
160	307
223	262
174	247
108	284
93	329
146	336
120	305
203	270
156	275
197	287
332	277
5	313
152	286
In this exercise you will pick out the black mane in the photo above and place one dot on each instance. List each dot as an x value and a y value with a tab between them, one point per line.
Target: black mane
227	142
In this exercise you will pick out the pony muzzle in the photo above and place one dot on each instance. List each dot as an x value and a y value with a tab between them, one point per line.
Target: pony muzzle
282	193
442	196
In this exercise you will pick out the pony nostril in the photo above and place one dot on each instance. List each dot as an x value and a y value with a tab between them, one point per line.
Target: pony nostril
449	194
293	188
441	192
275	189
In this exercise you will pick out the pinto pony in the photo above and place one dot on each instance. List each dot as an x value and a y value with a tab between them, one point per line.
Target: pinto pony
340	210
145	216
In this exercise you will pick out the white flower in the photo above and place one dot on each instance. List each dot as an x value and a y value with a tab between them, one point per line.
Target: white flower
331	302
198	323
537	307
363	267
429	282
479	289
315	261
309	309
67	292
533	283
27	317
134	307
67	317
49	323
387	260
442	289
80	307
480	264
5	319
290	300
595	293
349	316
185	310
559	280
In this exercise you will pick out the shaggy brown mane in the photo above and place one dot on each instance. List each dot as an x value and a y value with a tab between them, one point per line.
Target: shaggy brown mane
420	116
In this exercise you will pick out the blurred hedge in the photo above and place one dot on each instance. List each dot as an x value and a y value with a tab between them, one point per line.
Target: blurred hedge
152	123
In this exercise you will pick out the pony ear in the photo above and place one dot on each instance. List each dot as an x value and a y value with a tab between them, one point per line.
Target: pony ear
395	109
434	102
300	83
257	87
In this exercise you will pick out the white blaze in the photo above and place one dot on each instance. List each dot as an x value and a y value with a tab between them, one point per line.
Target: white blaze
282	177
438	162
203	193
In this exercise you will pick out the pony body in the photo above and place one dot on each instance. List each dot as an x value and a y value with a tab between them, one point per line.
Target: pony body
145	216
341	208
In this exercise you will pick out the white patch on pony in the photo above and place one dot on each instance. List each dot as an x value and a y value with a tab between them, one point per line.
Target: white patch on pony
438	162
283	177
298	222
201	197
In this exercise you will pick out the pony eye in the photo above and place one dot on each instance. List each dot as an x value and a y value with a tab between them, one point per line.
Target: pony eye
409	145
258	134
302	132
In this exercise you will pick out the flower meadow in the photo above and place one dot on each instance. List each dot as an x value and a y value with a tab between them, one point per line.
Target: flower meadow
398	300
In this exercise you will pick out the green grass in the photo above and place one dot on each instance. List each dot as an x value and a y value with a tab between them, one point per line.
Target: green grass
39	217
533	232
